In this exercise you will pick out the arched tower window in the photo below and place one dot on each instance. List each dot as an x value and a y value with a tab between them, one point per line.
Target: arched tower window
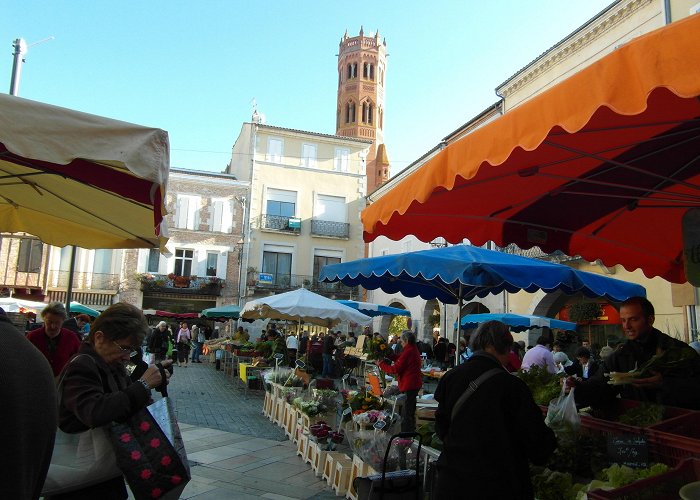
352	70
350	112
368	71
367	112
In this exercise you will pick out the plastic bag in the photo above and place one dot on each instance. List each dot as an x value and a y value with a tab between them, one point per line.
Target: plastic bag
562	415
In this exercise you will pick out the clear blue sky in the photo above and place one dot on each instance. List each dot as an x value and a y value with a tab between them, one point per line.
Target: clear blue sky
194	67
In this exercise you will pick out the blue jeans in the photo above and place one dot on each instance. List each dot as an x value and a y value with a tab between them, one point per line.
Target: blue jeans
196	352
327	365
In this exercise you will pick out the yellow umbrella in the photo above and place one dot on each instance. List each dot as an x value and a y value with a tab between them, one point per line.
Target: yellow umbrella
72	178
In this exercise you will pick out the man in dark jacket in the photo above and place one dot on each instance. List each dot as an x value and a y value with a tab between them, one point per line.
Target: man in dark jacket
677	386
493	435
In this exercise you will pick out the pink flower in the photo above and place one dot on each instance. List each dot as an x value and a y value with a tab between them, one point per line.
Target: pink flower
176	479
144	426
165	461
155	443
136	455
146	474
125	438
156	493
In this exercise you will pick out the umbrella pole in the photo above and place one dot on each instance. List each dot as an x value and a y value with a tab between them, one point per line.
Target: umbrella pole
69	288
459	323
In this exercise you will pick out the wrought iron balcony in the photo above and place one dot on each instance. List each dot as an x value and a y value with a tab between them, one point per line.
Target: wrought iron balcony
330	228
537	253
279	282
280	223
83	280
191	285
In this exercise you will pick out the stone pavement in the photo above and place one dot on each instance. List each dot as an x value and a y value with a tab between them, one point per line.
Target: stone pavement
235	452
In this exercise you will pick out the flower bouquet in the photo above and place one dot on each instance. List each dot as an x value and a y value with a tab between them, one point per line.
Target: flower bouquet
327	397
362	401
326	436
376	348
290	393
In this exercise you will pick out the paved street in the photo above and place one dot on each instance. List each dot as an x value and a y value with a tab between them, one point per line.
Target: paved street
235	452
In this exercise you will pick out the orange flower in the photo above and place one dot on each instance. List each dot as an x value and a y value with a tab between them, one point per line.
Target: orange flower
382	347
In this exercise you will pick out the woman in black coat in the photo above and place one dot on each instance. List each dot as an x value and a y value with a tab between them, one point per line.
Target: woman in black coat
96	389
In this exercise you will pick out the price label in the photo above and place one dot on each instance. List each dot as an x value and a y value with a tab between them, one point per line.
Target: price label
379	425
347	411
278	355
632	451
300	364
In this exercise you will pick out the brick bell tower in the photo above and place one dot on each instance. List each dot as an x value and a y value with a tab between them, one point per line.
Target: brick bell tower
360	110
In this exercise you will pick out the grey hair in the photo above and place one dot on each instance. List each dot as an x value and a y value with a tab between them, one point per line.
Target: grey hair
492	333
56	308
408	336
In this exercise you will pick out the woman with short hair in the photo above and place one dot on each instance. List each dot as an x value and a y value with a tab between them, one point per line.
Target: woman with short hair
96	389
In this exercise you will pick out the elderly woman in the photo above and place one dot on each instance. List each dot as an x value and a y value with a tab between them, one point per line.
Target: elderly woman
495	432
406	367
96	388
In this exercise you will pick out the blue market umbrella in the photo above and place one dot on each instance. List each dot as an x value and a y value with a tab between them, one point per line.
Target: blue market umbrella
372	310
228	312
461	272
78	308
517	322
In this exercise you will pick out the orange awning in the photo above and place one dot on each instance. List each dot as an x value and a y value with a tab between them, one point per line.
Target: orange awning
602	165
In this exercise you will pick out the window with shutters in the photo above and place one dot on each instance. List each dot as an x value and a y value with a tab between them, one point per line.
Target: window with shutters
279	209
220	215
330	216
342	156
308	155
29	258
187	212
274	150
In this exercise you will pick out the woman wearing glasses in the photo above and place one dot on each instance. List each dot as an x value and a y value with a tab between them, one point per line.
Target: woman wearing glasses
96	388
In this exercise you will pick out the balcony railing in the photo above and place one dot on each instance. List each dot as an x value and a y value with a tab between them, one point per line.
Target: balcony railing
537	253
280	223
84	281
330	228
279	282
161	283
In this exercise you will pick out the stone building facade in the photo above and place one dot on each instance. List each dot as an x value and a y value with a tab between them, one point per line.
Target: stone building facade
205	221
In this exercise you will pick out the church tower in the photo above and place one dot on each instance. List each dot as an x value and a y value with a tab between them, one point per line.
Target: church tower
360	110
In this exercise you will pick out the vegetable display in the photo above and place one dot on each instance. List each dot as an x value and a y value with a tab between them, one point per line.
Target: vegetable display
556	485
671	359
644	415
544	386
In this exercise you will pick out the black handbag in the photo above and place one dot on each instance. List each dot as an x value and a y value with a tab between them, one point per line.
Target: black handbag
150	452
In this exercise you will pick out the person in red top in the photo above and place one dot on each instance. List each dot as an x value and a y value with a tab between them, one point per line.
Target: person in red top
406	367
57	344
